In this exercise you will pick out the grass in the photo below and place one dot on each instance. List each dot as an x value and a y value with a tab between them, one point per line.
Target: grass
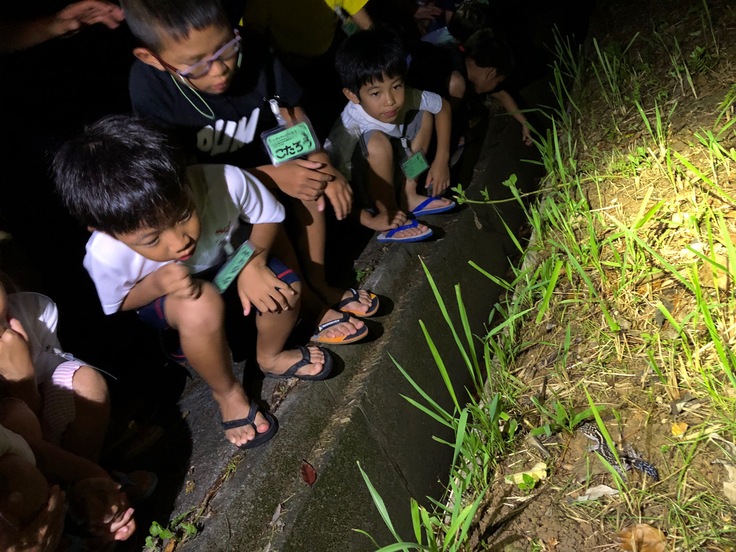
622	304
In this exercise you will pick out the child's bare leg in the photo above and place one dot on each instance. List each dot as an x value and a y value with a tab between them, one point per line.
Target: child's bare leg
200	323
86	433
381	189
315	306
273	331
411	196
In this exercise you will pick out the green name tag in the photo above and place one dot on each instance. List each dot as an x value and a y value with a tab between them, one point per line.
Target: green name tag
349	27
414	165
233	266
289	143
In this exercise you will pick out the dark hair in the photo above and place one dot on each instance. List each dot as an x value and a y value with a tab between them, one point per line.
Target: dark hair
369	56
121	174
149	19
486	50
470	16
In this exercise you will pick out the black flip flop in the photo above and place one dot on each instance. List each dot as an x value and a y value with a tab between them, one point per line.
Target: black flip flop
260	438
306	359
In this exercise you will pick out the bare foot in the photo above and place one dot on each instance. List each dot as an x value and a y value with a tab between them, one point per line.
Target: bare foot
286	359
343	329
436	203
234	405
383	220
359	307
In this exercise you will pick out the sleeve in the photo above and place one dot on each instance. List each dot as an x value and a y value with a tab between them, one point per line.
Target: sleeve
350	6
114	269
39	317
257	205
431	102
12	443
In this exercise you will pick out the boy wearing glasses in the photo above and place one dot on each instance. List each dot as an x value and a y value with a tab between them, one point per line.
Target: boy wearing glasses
211	85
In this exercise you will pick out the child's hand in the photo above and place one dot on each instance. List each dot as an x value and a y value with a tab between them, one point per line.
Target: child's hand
438	178
259	287
303	179
87	12
526	135
175	279
340	195
42	533
15	353
99	501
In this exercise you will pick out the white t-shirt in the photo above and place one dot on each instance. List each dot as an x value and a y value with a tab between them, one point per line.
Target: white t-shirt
354	122
225	197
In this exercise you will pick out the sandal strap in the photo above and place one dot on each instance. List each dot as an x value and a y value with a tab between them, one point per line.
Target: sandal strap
249	420
344	318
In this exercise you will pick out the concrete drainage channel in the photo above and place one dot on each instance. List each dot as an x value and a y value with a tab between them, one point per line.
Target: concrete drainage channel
356	416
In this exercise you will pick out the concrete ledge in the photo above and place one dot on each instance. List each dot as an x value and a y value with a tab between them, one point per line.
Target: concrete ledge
357	416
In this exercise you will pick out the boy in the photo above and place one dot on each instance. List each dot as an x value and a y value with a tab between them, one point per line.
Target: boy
378	118
156	225
488	61
211	84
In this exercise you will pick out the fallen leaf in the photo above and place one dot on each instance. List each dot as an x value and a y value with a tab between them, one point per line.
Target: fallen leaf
729	487
276	514
538	471
642	538
309	474
552	543
679	429
594	493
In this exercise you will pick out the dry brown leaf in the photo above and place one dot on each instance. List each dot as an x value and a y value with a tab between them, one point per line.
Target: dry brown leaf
642	538
309	474
729	487
679	429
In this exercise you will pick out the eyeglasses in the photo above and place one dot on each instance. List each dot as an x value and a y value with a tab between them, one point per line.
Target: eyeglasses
202	67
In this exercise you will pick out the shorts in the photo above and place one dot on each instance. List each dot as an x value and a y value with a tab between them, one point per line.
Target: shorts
152	314
57	395
359	161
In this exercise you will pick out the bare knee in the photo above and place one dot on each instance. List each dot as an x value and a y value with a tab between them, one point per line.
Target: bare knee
457	85
18	417
379	148
88	384
204	315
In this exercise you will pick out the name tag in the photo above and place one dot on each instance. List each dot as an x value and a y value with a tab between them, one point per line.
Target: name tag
233	266
414	165
285	144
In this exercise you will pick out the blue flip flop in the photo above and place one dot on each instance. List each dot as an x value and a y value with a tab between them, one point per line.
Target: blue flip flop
306	359
389	236
420	210
260	438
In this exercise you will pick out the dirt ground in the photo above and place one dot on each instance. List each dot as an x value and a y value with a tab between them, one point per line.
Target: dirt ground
569	354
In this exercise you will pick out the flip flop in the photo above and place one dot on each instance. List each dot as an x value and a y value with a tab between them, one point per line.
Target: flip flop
420	210
306	359
389	236
343	340
355	297
260	438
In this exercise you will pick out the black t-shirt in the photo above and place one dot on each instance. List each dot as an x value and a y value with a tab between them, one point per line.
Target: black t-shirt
219	128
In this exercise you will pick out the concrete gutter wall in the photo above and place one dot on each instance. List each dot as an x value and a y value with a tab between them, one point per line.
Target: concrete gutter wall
357	416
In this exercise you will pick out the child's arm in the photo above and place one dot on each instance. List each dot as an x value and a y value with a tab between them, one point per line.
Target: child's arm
20	35
509	104
16	366
439	171
170	279
258	286
311	179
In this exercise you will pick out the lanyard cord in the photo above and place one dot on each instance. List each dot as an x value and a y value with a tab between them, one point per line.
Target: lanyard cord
211	114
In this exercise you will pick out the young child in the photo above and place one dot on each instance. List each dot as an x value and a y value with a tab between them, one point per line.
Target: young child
68	396
211	84
159	228
30	509
489	62
383	123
